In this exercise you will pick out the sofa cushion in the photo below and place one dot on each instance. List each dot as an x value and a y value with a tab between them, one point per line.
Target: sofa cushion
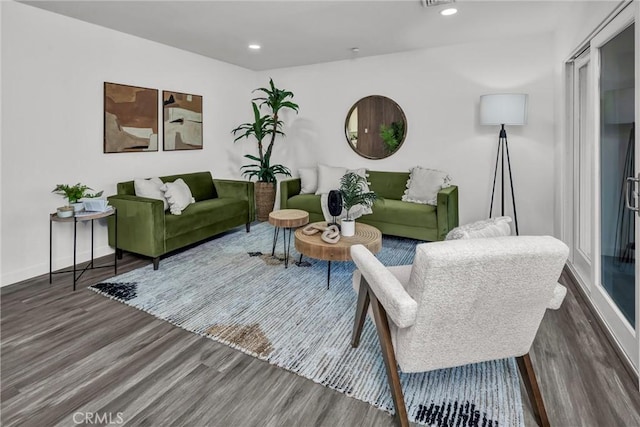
492	227
403	213
388	185
424	184
200	184
151	189
178	196
204	213
305	202
329	178
308	180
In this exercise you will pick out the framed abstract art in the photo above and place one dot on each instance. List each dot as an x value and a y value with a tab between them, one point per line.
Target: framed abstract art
130	118
182	121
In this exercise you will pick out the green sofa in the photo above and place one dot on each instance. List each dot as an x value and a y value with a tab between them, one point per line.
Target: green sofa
390	214
145	228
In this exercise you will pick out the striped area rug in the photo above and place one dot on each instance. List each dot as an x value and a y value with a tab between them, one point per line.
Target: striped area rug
230	290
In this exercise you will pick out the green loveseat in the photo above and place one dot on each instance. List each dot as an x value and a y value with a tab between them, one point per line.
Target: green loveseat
390	214
145	228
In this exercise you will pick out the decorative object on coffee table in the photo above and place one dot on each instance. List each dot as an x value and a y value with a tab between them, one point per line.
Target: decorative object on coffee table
130	118
314	247
286	219
267	126
335	205
329	233
352	189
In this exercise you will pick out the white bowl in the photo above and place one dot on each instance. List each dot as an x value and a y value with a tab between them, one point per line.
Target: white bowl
65	213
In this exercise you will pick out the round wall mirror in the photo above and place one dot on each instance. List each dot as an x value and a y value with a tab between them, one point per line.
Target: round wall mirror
375	127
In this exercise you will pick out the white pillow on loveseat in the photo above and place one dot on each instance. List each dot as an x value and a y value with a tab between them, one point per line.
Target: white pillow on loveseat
151	189
329	178
178	195
492	227
308	180
423	185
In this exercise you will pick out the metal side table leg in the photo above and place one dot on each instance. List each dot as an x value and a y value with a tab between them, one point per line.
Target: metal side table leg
50	250
75	227
276	231
115	257
287	246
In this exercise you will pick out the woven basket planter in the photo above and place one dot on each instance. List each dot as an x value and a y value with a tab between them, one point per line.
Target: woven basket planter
265	199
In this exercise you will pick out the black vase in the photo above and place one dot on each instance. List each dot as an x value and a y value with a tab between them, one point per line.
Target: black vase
335	205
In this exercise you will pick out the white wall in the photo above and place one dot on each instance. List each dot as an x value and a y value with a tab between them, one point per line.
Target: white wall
439	91
572	35
53	69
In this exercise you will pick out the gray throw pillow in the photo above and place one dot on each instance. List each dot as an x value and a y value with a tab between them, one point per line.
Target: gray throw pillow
424	184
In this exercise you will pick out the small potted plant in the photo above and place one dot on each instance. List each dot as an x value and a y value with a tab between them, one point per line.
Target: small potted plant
352	188
73	194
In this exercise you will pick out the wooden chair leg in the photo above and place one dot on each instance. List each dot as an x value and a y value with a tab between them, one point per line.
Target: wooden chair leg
361	312
531	384
384	335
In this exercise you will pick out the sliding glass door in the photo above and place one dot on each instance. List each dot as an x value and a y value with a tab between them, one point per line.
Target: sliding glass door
582	253
615	291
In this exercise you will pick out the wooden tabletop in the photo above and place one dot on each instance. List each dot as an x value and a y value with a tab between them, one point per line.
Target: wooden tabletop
314	247
289	218
83	216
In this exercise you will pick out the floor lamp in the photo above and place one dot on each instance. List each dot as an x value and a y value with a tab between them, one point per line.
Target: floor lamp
503	109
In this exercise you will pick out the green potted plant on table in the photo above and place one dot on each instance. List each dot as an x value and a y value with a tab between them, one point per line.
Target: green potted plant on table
73	194
352	189
267	126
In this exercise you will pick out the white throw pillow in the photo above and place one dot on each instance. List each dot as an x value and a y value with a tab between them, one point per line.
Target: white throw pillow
178	195
493	227
150	188
423	185
329	178
308	180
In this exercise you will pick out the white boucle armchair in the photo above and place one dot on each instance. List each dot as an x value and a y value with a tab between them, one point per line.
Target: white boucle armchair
461	302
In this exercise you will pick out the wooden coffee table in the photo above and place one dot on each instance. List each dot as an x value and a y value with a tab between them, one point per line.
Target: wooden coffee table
314	247
286	219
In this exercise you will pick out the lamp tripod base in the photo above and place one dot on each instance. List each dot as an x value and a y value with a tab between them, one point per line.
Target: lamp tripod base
503	148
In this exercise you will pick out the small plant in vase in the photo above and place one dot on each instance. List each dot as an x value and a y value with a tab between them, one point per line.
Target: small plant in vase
352	189
73	194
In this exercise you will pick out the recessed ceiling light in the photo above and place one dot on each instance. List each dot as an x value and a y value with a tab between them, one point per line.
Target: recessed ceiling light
447	12
254	46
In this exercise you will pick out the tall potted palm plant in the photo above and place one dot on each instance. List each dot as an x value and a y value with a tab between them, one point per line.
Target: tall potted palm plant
265	127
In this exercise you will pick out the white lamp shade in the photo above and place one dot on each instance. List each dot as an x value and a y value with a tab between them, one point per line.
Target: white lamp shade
503	109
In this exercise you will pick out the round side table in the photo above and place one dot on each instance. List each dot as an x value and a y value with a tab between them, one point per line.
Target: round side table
286	219
314	247
81	217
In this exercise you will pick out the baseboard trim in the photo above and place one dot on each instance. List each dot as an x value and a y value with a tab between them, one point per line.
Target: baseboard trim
64	262
573	277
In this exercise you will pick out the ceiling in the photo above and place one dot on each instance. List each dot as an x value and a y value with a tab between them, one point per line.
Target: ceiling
306	32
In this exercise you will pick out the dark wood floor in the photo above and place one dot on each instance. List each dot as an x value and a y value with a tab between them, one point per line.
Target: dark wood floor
66	353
